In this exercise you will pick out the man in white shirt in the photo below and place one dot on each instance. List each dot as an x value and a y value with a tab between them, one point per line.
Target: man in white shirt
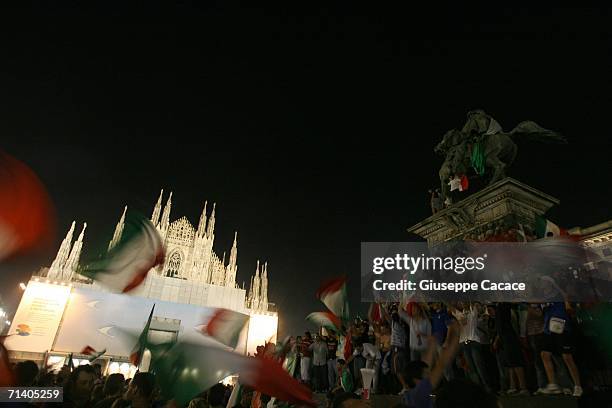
319	364
470	339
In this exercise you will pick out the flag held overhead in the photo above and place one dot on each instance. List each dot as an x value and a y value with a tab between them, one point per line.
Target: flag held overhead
333	294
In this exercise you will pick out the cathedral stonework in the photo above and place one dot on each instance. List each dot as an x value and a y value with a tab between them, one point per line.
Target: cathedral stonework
191	273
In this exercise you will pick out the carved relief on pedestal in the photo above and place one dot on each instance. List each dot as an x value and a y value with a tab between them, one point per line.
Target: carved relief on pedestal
505	205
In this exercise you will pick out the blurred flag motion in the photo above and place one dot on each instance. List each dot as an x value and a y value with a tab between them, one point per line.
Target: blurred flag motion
26	214
91	353
127	264
225	326
185	369
333	294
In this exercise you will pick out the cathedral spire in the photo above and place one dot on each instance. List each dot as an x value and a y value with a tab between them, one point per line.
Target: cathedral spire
72	263
230	276
234	251
157	209
165	220
202	224
59	262
211	222
118	230
250	296
256	289
263	303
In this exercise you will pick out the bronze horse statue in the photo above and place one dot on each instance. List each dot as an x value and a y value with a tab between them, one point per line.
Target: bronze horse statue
483	145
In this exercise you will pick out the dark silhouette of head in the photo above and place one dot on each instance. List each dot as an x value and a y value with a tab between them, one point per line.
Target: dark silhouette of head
216	397
114	385
25	373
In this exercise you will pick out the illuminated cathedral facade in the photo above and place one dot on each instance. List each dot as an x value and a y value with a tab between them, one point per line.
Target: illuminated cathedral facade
190	262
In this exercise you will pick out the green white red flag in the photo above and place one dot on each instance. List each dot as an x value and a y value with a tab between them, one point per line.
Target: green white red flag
546	228
185	369
142	343
225	326
91	353
127	264
333	294
328	320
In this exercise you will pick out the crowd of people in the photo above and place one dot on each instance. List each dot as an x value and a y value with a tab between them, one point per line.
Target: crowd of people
423	352
505	349
85	386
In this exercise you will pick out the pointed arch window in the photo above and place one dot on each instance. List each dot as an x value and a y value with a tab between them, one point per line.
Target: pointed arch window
174	265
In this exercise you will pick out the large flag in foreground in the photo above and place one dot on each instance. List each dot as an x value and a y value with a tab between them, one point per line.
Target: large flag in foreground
185	369
7	378
225	326
333	295
127	264
25	208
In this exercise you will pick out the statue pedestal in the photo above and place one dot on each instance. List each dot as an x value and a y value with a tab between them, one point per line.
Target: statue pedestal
505	205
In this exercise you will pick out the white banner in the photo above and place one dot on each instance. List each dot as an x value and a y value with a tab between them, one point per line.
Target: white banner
101	320
38	317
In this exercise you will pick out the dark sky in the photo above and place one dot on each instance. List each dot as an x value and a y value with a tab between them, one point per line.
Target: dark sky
312	128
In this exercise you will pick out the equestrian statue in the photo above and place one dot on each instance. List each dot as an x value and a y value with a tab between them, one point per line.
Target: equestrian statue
483	146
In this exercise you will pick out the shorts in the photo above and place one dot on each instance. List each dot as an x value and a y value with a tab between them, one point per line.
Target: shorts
557	343
511	353
399	358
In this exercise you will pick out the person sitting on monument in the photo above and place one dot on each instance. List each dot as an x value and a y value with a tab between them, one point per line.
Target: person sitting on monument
345	377
435	201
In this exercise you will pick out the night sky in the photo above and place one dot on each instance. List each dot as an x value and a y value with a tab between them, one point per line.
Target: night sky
312	129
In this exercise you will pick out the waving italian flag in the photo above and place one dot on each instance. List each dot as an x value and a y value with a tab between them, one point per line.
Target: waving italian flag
142	343
333	295
185	369
127	264
225	326
545	228
325	319
92	353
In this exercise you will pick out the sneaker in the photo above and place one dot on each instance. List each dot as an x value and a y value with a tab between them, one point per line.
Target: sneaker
539	391
523	393
552	389
511	391
567	391
577	391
